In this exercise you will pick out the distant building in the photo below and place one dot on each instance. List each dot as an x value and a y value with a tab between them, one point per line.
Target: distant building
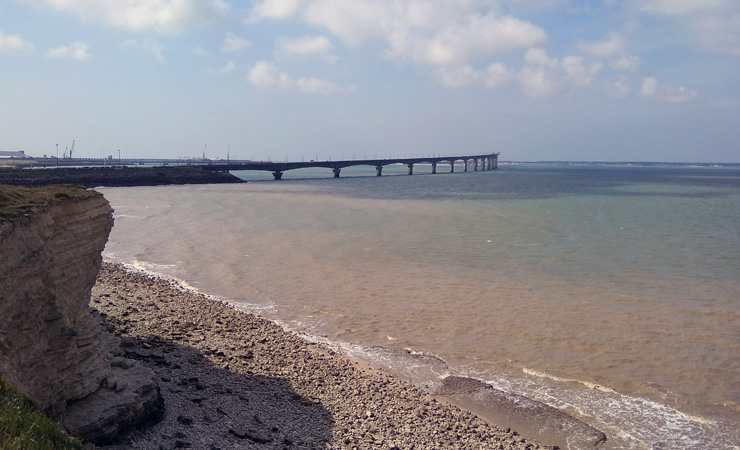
18	154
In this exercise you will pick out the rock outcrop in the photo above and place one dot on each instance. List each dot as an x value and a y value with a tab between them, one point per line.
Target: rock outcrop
51	346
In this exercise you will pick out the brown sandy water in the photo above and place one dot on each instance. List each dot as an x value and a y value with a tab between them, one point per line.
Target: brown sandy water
616	302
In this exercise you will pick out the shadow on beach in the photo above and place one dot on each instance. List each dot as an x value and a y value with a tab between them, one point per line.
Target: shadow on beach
209	406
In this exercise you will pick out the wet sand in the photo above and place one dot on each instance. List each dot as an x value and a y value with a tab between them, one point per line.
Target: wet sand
234	380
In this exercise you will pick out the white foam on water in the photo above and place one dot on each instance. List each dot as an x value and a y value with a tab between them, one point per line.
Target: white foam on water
629	422
588	384
164	272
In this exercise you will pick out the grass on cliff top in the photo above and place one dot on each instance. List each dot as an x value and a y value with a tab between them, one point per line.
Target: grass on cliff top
18	201
23	427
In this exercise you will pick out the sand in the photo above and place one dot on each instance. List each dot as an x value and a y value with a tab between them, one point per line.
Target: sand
235	380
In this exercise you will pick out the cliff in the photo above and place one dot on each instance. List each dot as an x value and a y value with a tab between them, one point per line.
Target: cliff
51	346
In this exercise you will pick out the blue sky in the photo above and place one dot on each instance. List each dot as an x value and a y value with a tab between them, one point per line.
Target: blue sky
601	80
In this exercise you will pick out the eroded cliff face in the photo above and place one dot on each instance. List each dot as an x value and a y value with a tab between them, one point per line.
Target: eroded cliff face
48	263
51	345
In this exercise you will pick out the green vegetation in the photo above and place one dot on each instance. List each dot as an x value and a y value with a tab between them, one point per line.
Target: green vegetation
23	427
18	201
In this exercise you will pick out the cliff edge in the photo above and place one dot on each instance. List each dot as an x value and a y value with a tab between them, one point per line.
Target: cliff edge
51	346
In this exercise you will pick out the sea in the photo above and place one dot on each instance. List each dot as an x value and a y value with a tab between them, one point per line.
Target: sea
610	292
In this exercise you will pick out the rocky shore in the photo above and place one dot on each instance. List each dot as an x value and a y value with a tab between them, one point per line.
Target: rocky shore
234	380
116	176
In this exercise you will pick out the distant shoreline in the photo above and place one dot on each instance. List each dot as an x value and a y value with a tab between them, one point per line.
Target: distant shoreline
116	177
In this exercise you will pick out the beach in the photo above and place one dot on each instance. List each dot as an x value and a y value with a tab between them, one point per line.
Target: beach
234	380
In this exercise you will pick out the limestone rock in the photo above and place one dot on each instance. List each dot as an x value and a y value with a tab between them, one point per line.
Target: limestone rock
128	398
51	346
48	266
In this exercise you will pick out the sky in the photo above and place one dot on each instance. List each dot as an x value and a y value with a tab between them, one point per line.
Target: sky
533	80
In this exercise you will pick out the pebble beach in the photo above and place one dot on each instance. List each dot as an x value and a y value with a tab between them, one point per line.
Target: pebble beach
235	380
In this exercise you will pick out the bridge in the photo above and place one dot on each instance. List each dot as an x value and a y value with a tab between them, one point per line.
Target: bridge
483	162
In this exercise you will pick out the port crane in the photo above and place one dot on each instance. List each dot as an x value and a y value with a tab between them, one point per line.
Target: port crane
70	149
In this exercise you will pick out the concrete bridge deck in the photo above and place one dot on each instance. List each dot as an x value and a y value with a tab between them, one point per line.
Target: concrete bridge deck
482	162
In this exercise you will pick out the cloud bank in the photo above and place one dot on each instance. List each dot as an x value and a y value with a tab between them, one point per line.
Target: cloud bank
458	42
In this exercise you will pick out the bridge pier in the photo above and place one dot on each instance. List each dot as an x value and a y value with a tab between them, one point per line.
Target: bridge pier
434	167
452	166
466	165
336	171
278	175
411	169
378	170
475	164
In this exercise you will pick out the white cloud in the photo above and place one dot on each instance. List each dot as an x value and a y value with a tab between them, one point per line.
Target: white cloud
579	72
165	16
305	45
720	33
539	57
543	75
233	43
613	45
618	88
652	89
715	23
613	48
683	7
459	76
626	63
13	43
266	75
228	67
460	42
76	51
317	86
275	9
538	81
493	76
540	76
426	32
149	46
497	74
199	51
354	21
